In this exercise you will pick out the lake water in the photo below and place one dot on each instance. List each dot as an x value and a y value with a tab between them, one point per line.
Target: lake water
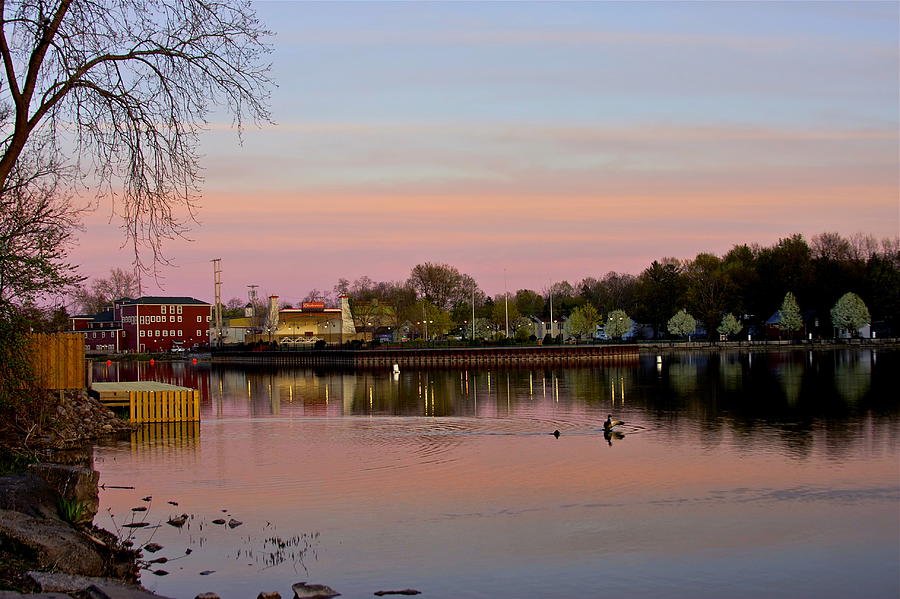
735	475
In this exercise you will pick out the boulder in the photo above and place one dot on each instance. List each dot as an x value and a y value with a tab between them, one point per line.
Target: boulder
74	483
54	543
29	495
313	591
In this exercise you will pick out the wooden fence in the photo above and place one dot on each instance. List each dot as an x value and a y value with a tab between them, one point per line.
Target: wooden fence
58	360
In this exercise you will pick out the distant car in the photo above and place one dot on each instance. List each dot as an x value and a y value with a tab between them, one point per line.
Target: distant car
177	350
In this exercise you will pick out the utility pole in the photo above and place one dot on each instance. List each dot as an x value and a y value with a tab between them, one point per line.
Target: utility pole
217	306
551	312
506	302
473	311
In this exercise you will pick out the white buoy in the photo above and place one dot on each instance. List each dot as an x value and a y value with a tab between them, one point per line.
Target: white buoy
396	369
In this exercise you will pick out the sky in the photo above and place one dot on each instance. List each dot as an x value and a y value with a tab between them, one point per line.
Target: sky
532	142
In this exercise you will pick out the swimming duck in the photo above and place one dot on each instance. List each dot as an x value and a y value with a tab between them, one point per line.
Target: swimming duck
610	423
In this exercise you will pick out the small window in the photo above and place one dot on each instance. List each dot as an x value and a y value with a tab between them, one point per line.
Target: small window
198	330
165	332
179	311
157	333
142	333
171	319
199	319
179	319
180	334
208	318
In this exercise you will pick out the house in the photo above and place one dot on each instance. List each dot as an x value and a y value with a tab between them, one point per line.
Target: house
543	326
146	324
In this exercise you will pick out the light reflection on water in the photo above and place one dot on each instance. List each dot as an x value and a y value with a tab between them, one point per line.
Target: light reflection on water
735	474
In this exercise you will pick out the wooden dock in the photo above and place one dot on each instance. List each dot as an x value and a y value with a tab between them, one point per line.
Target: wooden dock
150	401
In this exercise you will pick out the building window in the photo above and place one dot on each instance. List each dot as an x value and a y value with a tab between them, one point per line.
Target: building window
208	318
180	334
157	333
165	332
142	333
94	335
199	319
199	333
179	319
179	311
171	332
171	319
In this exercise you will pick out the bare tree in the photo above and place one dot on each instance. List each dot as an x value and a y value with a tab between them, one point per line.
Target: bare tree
36	230
118	91
91	299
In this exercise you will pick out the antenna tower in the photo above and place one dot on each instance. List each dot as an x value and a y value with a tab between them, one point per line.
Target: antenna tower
219	331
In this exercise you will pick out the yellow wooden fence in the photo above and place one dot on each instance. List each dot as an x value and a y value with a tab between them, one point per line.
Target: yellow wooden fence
58	360
164	406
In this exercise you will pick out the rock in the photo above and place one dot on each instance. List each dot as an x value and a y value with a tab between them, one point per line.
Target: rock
172	502
153	547
207	572
313	591
218	521
28	494
74	483
54	543
178	520
107	591
147	498
234	523
207	596
139	508
160	572
269	595
15	595
401	592
71	583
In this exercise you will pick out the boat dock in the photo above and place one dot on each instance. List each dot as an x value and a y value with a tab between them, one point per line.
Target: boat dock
150	401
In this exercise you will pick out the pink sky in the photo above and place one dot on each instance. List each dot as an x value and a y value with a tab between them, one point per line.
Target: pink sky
540	143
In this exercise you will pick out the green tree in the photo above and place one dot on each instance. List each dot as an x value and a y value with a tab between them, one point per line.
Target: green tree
790	314
618	323
661	287
583	321
681	324
708	289
729	325
529	302
850	313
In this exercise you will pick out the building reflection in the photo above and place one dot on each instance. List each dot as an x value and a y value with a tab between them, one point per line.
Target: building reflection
718	393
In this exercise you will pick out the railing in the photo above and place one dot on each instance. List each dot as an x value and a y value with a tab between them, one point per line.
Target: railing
164	406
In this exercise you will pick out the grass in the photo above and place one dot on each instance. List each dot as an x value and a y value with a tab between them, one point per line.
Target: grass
70	510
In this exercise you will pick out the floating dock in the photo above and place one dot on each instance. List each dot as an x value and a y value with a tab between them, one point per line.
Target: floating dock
150	401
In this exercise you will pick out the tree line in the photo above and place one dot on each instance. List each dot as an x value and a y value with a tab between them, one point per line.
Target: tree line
726	294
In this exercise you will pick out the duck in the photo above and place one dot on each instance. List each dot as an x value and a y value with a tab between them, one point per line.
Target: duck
609	424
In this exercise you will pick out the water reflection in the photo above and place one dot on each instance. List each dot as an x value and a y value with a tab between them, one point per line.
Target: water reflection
730	468
786	400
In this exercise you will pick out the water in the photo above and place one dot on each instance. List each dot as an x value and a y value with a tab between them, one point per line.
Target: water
734	475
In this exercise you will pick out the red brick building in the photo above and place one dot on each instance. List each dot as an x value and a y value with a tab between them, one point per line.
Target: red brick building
147	324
